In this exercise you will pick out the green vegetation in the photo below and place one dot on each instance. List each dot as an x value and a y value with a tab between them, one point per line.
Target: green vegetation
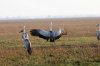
67	51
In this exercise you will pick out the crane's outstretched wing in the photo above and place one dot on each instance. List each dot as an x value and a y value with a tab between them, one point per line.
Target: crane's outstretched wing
98	35
27	45
58	34
41	33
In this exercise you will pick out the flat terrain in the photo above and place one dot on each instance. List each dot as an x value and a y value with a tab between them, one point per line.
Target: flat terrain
78	47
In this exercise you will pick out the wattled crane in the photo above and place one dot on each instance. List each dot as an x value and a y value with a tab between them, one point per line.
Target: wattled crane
26	41
50	35
98	32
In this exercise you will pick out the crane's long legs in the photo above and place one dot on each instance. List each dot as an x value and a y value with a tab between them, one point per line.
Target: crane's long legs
98	41
26	53
52	48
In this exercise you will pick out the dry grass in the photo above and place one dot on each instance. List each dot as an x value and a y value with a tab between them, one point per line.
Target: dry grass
74	27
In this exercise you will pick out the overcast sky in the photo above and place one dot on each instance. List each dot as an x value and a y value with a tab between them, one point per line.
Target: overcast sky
30	8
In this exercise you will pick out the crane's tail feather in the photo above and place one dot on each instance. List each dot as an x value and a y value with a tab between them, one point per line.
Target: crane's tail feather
29	51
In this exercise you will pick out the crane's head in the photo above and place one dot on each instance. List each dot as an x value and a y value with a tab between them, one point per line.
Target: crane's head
97	25
23	30
63	32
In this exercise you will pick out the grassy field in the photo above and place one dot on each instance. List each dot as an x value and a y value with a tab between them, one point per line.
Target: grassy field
78	48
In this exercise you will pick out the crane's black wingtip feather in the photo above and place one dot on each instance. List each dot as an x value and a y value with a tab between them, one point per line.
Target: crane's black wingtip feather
34	32
29	51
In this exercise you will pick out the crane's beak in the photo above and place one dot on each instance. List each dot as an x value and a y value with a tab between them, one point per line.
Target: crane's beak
21	31
97	25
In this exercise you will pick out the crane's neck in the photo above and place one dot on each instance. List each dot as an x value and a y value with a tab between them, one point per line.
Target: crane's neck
60	30
51	27
24	29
